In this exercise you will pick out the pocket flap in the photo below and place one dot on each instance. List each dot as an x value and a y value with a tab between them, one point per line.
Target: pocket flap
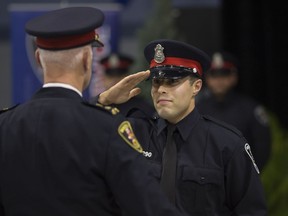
202	175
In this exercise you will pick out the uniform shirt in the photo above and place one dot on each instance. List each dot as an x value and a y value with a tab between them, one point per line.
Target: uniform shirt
62	156
215	174
247	116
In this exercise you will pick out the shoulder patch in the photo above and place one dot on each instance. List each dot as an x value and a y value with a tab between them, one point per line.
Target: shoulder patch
126	132
7	109
249	152
223	124
112	110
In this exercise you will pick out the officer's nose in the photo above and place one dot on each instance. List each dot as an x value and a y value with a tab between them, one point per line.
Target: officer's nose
162	89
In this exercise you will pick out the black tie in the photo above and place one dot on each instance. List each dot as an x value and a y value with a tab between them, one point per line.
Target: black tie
169	164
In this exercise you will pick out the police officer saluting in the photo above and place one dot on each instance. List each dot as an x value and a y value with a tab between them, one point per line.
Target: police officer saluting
205	167
62	156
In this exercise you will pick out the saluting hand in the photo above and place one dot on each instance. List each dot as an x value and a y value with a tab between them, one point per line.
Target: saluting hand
124	89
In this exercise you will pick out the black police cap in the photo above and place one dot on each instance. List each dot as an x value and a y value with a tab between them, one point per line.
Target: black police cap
66	28
223	64
116	64
175	59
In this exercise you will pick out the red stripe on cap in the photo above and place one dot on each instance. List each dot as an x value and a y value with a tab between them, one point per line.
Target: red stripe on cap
226	65
65	42
180	62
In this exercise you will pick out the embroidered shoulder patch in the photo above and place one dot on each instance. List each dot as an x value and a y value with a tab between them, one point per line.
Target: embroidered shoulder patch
127	134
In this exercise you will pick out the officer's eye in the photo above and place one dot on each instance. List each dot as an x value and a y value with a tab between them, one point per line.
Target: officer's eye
157	82
172	82
168	82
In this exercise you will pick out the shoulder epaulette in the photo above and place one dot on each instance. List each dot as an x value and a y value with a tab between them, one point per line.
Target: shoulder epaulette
8	108
223	124
112	110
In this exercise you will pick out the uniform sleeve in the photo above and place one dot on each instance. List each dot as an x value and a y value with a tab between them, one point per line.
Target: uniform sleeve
136	192
245	195
260	136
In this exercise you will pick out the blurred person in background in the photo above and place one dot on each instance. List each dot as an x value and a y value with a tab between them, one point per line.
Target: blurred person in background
115	67
221	101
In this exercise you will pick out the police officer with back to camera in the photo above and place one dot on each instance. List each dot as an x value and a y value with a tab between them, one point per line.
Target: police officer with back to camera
115	67
60	155
204	166
221	100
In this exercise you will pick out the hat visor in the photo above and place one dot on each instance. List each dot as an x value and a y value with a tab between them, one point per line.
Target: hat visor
97	43
169	73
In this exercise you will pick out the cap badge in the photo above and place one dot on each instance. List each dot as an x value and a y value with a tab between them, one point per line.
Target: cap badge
159	56
114	61
217	60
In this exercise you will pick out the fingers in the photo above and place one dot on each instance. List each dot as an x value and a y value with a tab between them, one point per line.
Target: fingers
134	79
134	92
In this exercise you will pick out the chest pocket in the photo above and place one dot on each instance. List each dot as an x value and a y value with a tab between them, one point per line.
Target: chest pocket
154	169
201	190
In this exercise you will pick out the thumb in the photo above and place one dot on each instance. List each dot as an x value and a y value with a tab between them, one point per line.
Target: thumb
134	92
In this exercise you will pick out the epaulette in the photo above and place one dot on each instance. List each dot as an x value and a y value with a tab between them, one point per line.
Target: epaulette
223	124
8	108
112	110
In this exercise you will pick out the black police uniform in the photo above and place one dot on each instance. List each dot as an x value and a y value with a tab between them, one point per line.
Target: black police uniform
62	156
245	114
216	171
215	174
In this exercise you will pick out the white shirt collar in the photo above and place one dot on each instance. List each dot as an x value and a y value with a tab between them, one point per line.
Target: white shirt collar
62	85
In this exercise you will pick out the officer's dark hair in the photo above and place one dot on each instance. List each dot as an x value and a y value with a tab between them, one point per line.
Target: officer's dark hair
193	78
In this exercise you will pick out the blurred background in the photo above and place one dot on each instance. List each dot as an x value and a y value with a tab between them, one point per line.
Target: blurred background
254	31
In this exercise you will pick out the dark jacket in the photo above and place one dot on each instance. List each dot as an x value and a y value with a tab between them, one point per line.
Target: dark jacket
215	174
62	156
246	115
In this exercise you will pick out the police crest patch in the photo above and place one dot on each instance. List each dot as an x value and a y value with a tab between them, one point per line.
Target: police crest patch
127	134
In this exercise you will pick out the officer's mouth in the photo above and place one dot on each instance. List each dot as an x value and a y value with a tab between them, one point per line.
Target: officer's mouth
163	101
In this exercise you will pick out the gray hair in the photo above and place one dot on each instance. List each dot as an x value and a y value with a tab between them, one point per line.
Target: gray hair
67	59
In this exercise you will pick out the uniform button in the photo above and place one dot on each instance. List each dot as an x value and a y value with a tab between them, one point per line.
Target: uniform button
202	179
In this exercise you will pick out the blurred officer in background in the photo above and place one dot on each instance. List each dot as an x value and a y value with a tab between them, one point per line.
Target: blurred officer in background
115	67
205	166
62	156
221	101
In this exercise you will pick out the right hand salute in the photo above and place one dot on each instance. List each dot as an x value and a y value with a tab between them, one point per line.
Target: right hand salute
124	89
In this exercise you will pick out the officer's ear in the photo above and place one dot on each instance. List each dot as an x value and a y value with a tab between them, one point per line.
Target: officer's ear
37	57
87	59
197	85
